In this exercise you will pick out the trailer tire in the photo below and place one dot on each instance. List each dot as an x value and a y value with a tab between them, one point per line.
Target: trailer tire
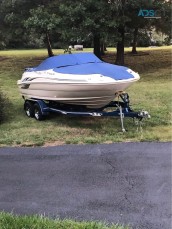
37	112
29	109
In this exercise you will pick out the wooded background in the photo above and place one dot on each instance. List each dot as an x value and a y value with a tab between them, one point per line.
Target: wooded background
92	23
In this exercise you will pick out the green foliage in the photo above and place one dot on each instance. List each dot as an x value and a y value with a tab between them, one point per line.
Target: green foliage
42	20
2	45
76	21
168	41
4	103
164	11
143	39
10	221
83	19
12	16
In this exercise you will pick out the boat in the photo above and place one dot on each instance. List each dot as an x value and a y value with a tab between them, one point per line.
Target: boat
76	79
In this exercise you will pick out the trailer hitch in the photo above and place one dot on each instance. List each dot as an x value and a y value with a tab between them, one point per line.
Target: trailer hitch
142	115
125	110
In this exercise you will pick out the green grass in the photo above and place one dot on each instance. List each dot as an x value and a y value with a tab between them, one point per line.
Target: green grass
10	221
153	93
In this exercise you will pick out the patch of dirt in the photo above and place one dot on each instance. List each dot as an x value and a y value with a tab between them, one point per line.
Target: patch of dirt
56	143
3	58
137	54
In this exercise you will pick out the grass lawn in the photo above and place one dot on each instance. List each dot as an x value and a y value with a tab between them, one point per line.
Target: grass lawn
153	93
10	221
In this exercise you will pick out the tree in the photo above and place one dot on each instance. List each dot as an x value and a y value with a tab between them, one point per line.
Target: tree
122	17
12	15
163	24
121	23
42	21
135	23
87	18
127	18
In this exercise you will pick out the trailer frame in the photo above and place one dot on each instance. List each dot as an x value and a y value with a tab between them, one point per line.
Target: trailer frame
121	108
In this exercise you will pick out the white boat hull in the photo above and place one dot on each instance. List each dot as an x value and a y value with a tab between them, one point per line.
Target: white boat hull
91	95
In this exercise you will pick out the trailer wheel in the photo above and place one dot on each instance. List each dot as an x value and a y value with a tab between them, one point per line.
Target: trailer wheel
29	109
37	112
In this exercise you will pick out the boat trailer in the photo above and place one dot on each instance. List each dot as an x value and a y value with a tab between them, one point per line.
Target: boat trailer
39	109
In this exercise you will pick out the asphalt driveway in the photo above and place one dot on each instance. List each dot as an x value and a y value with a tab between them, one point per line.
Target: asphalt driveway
127	183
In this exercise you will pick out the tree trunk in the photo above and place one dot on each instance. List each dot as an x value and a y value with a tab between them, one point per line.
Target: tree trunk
134	51
102	49
97	45
105	49
120	48
49	48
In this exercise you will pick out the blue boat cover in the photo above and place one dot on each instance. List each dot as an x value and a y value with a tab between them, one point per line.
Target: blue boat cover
83	64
